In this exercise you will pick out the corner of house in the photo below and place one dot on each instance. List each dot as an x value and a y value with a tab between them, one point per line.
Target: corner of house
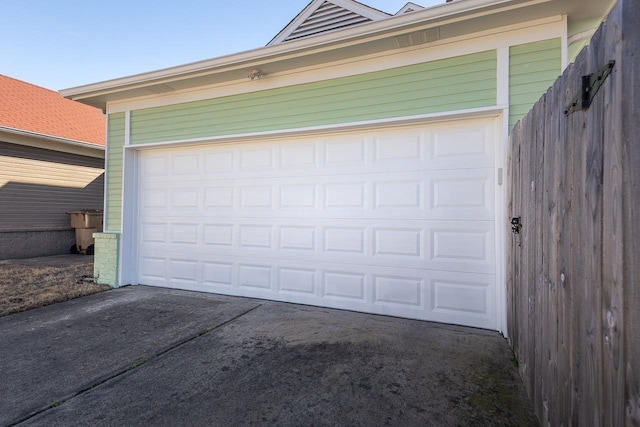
105	265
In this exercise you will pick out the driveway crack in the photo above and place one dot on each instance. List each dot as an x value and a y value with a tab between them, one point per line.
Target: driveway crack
132	366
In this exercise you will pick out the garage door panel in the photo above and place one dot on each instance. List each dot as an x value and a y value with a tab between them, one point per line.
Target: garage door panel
152	269
451	147
218	274
442	195
438	245
398	221
469	145
467	298
187	164
156	164
461	298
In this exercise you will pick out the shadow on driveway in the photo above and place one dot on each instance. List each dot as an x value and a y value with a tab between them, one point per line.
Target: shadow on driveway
147	356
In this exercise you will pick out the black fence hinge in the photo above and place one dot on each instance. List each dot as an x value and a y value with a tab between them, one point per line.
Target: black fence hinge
590	86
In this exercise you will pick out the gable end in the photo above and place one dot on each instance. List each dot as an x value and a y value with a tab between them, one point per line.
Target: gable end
409	7
322	16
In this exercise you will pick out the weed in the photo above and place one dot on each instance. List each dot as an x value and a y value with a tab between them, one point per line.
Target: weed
137	364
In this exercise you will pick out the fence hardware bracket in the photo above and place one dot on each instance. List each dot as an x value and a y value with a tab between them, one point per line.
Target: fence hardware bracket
590	86
516	225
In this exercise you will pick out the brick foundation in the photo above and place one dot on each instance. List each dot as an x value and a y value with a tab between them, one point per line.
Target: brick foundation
105	264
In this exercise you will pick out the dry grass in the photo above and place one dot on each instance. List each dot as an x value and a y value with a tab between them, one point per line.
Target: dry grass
25	287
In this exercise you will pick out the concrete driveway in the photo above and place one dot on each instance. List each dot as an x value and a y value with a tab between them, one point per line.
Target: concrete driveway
146	356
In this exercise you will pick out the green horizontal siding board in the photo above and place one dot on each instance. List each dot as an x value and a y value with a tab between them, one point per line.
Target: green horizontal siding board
537	56
526	91
527	48
345	115
115	142
525	79
422	88
439	96
533	67
309	99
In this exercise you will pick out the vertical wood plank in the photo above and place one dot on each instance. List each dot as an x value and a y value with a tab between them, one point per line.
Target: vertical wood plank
537	279
564	171
630	68
593	238
550	236
513	248
575	137
528	261
612	251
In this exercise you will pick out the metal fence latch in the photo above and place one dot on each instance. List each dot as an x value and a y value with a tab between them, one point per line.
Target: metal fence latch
516	225
590	86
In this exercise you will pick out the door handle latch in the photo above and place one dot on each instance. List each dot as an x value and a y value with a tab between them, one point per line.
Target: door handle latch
516	225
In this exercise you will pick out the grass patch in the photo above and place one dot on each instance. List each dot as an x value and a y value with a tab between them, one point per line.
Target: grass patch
24	287
137	364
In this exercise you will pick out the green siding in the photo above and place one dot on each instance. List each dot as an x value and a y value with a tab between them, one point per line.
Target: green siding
115	143
450	84
533	67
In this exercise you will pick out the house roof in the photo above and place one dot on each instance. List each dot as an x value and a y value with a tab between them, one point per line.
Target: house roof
409	7
322	16
455	18
33	109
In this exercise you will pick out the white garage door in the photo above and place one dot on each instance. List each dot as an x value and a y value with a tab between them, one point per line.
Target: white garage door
398	221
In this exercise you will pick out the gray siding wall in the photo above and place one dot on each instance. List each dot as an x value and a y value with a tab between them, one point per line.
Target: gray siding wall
30	244
37	187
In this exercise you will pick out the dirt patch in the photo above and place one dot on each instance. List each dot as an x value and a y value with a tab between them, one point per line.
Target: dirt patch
23	287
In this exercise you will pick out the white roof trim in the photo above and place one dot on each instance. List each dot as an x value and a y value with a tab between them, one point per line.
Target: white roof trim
444	13
409	7
367	13
51	138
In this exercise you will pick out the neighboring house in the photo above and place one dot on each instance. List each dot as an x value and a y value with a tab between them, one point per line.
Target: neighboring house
357	161
51	161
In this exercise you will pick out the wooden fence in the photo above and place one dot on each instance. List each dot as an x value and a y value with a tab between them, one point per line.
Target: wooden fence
574	268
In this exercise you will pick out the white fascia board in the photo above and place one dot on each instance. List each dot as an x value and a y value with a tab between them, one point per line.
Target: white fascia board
48	142
373	30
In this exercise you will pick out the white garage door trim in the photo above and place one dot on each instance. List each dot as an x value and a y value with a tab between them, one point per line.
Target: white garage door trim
333	285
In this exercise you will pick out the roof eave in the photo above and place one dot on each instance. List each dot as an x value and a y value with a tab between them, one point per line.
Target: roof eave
448	10
55	139
96	94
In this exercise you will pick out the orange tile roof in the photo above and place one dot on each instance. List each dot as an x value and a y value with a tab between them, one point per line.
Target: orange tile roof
35	109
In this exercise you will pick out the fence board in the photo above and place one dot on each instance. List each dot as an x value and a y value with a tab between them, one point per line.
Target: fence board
564	170
612	251
576	133
550	255
535	272
528	251
630	195
593	238
573	291
514	324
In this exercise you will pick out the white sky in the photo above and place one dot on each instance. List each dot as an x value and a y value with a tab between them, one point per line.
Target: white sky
60	44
